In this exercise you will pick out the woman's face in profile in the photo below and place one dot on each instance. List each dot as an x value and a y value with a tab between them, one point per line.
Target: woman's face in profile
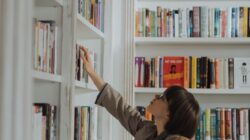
159	107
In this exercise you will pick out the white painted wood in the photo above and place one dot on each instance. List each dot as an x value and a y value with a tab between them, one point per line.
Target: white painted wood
197	91
184	41
46	76
129	57
15	70
152	4
86	30
204	101
49	3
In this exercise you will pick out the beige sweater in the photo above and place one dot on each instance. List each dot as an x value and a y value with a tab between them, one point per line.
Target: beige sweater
130	117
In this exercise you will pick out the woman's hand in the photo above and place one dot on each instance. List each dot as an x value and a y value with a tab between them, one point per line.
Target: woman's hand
88	64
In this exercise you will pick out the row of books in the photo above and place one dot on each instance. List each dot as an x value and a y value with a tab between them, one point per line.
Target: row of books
81	74
93	11
85	123
224	124
193	22
45	46
192	72
44	123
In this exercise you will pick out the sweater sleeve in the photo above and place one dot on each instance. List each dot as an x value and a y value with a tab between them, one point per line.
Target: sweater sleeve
111	99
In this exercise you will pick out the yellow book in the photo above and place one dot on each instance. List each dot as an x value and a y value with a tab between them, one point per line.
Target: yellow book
245	21
194	71
207	120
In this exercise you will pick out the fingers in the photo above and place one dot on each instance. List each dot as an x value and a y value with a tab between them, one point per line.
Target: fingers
86	53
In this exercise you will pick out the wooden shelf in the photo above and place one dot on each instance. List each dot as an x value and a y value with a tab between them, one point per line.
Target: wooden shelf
49	3
46	76
197	91
85	86
86	30
164	40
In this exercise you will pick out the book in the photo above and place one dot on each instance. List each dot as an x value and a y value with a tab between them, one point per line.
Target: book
173	68
242	72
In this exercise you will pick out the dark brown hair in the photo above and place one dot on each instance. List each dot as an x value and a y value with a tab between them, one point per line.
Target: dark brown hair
184	112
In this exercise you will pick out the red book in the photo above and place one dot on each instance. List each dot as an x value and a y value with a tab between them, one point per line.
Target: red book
173	71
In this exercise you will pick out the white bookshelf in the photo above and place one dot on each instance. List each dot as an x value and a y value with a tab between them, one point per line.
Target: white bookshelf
86	87
46	76
181	41
211	47
49	3
197	91
86	30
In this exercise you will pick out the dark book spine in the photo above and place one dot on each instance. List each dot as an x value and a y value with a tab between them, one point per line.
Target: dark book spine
249	108
212	76
218	130
191	23
147	22
238	124
146	74
231	73
202	72
198	79
190	72
248	28
205	72
209	73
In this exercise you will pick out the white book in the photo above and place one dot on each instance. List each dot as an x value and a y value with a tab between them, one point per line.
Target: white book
40	47
225	69
211	24
242	121
36	53
187	21
176	24
242	72
246	124
93	123
56	49
204	21
184	22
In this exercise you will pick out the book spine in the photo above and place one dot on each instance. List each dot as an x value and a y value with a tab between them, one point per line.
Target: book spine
217	73
218	122
198	73
196	21
228	122
245	21
207	114
231	73
194	71
222	124
248	26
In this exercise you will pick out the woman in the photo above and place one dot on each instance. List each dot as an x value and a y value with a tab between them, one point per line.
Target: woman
176	112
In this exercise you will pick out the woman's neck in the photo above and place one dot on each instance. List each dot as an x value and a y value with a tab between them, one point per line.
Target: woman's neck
160	124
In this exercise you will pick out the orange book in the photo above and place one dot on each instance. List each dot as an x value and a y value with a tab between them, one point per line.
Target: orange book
245	18
222	124
186	72
173	71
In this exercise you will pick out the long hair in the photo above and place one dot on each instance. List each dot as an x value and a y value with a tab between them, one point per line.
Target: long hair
184	112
